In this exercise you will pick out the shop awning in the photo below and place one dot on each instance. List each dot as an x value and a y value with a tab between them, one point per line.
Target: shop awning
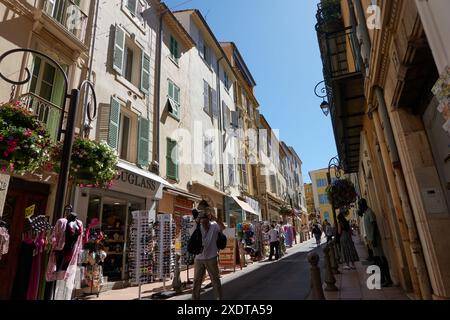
179	192
245	206
144	173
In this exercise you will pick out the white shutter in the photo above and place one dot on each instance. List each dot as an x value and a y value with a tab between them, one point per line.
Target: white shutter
145	73
119	49
206	97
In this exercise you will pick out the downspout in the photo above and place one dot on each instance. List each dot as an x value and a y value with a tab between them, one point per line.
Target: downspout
156	127
222	182
415	246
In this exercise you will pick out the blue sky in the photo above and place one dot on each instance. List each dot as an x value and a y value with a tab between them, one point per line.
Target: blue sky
279	44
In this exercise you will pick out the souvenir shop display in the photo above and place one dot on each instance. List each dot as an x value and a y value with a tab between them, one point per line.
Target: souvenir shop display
30	281
4	239
114	230
187	227
141	249
93	257
165	246
66	247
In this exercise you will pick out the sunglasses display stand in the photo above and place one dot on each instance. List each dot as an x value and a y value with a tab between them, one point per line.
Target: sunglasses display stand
164	251
187	228
141	249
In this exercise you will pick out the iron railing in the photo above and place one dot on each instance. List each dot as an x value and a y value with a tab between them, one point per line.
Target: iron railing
46	112
68	14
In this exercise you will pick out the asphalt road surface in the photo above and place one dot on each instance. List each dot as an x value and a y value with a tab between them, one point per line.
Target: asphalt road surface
285	279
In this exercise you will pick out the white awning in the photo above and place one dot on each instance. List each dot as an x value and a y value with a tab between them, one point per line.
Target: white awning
144	173
245	206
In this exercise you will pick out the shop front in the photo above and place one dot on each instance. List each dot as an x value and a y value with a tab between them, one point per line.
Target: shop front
21	197
134	190
213	197
178	203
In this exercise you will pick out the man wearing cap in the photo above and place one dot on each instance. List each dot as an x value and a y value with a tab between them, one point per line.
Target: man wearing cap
207	259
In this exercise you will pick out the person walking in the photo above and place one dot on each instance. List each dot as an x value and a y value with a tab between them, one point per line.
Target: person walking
207	259
274	242
348	250
373	239
317	232
328	230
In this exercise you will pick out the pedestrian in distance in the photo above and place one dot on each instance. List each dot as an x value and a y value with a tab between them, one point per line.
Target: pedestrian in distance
274	240
207	260
348	250
328	230
317	232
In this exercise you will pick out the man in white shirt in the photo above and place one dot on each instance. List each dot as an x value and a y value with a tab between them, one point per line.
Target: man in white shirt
207	259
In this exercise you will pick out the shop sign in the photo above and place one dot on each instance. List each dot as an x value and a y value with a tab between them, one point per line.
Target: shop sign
4	182
134	183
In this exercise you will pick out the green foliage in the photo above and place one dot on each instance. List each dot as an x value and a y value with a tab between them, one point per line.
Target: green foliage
341	193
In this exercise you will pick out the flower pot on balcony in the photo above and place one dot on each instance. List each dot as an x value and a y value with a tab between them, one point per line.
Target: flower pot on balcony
24	141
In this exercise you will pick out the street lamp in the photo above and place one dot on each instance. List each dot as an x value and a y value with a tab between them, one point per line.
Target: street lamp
320	90
69	131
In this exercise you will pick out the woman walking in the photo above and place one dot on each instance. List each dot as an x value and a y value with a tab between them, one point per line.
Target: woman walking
348	250
317	232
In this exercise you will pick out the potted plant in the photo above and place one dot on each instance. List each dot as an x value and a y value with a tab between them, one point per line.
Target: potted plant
330	16
341	193
92	164
24	140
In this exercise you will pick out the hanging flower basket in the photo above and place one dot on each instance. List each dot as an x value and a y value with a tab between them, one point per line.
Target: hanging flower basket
285	210
93	164
341	193
24	140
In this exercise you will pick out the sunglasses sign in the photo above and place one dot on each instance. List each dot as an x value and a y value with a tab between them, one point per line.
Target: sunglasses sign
133	183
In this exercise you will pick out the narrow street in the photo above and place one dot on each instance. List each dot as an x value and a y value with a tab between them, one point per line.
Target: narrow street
285	279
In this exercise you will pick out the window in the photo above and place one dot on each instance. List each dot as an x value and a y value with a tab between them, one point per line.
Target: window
322	183
208	154
172	159
136	7
273	184
210	105
130	61
231	178
243	166
127	133
226	80
323	199
174	53
174	99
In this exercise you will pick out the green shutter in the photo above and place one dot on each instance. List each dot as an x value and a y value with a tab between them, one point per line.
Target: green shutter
114	118
171	89
145	74
119	48
172	160
143	141
174	48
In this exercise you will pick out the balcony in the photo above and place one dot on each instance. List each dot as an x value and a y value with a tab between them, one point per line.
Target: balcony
46	112
65	20
344	80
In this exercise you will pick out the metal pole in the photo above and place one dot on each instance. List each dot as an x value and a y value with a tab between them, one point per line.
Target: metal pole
63	176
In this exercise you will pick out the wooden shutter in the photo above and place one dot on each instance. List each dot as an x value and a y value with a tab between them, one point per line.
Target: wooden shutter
206	96
172	160
145	73
119	50
235	119
176	97
201	46
225	111
140	9
215	106
231	179
143	141
114	119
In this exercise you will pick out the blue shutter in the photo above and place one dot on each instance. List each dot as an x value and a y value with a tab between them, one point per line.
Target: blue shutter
114	118
143	141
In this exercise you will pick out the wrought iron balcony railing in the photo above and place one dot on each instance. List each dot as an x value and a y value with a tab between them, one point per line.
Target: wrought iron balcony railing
45	111
68	14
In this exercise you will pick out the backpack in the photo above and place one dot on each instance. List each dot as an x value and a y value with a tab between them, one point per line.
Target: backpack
195	245
221	241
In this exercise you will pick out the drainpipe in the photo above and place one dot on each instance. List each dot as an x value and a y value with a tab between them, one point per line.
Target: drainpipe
415	246
219	105
157	101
